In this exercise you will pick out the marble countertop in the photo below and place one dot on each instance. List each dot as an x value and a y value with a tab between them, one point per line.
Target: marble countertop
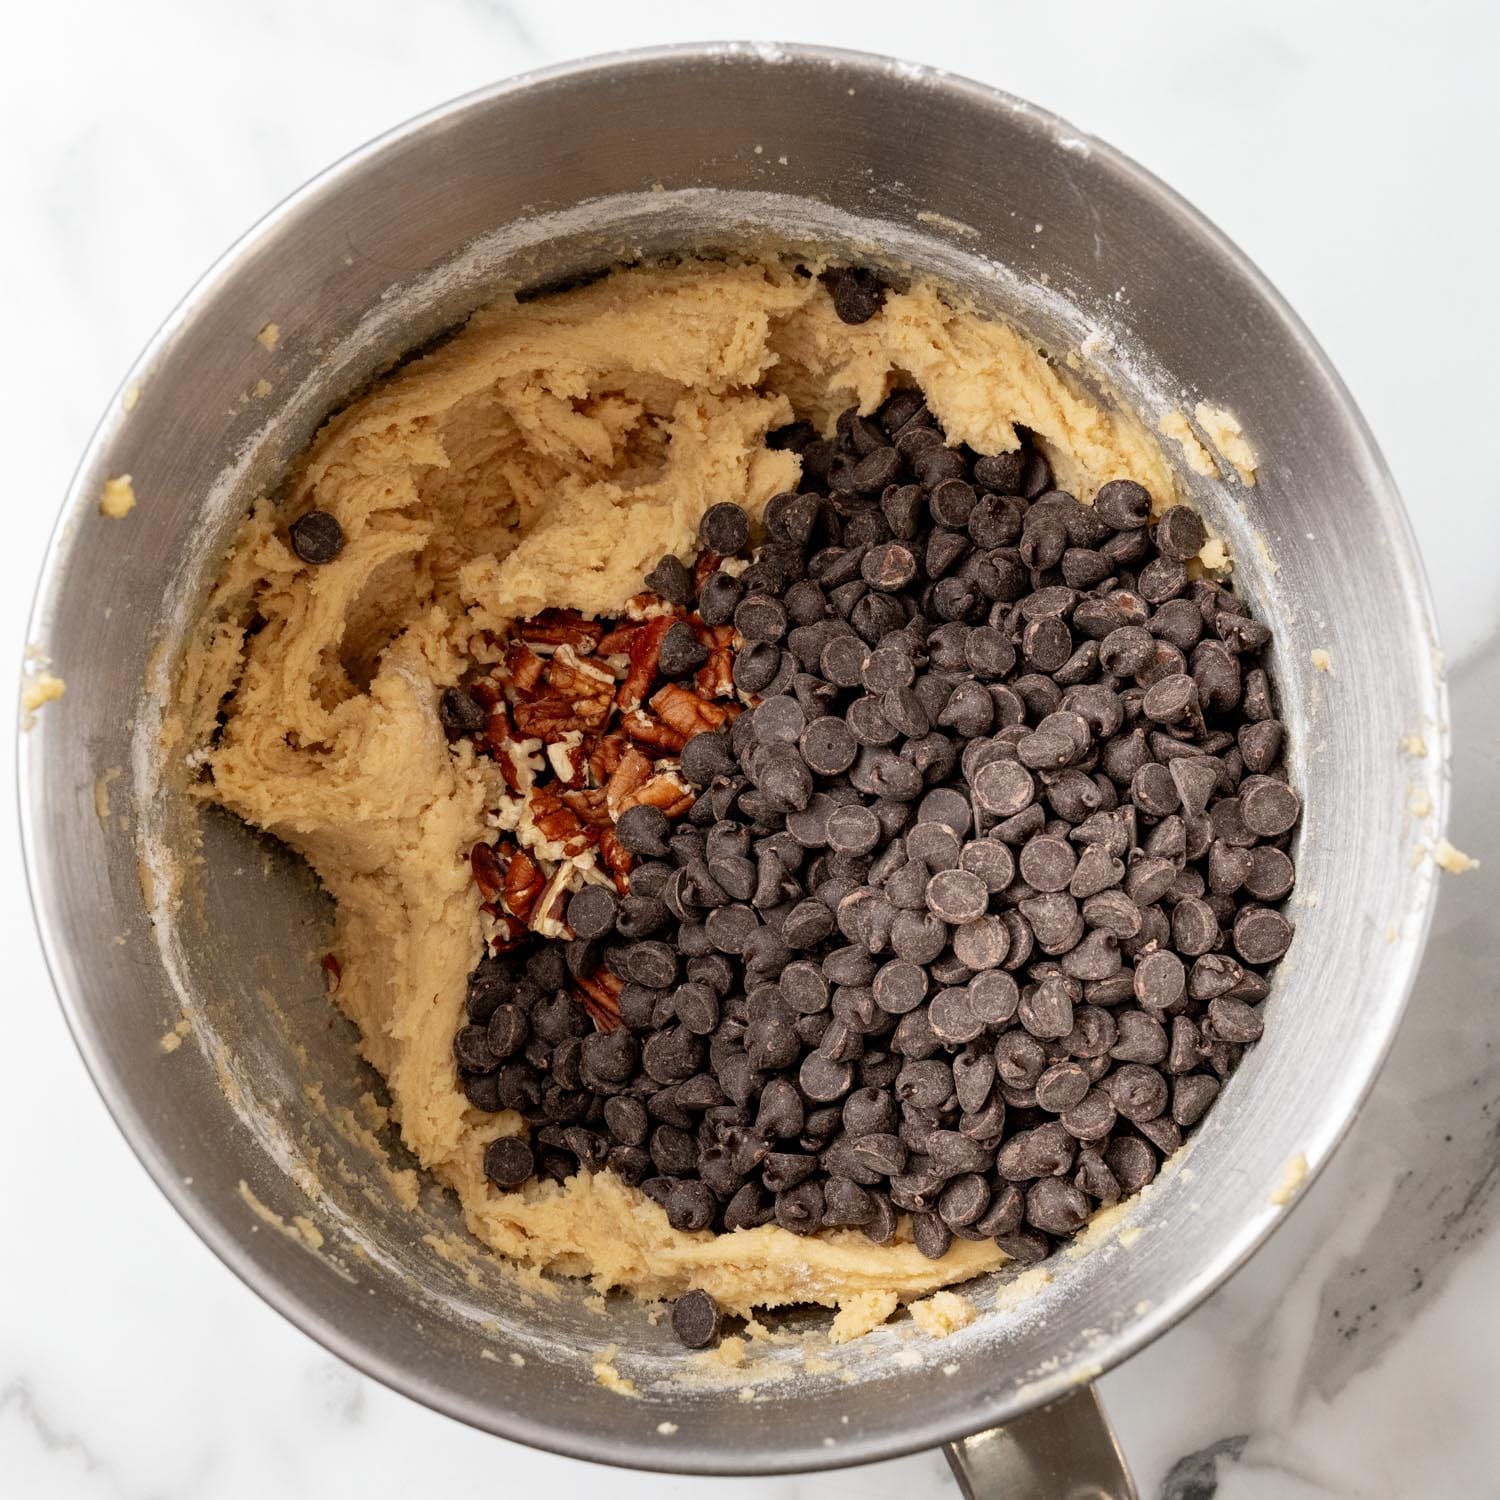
1348	147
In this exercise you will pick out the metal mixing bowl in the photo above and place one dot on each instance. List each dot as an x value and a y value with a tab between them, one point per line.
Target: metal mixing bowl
543	178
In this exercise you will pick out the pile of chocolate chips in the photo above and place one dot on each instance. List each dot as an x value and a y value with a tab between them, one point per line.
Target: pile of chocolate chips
972	913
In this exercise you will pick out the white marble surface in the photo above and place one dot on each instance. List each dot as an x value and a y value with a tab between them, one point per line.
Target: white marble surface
1349	147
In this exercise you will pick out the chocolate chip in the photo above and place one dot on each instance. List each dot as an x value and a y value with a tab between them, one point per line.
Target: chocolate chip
696	1320
1160	980
800	1208
1047	863
1062	1086
509	1163
994	997
1092	1118
957	896
1269	807
460	714
1132	1162
858	294
918	936
591	911
1270	874
982	944
1261	935
1233	1020
725	529
1179	533
1046	1008
1004	787
1055	1206
853	829
317	537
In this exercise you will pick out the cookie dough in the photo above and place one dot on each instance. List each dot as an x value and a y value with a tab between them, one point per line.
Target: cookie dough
548	455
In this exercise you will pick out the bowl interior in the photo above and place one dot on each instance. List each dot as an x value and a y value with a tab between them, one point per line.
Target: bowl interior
262	1125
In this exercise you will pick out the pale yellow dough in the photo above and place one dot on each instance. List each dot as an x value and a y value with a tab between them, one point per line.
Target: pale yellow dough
548	455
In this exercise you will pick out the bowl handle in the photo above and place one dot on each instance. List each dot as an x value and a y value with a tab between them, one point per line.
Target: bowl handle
1062	1451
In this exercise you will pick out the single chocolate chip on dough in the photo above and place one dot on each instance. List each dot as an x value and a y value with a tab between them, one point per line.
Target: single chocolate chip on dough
317	537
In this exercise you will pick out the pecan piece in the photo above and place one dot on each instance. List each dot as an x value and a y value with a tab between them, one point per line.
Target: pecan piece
510	932
488	872
649	606
617	641
606	755
517	769
523	667
558	823
549	916
334	970
589	804
580	697
617	859
569	758
523	884
644	652
561	627
715	678
708	562
633	771
601	998
497	729
687	712
652	733
665	790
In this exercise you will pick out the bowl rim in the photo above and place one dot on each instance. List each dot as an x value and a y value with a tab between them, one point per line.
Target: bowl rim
909	1437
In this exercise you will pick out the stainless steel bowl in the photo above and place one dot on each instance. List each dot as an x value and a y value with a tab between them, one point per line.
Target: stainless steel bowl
541	178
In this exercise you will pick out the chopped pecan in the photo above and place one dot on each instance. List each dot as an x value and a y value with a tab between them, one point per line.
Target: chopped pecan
707	563
606	755
523	884
617	859
334	970
590	805
687	712
510	932
665	790
497	730
649	606
488	872
617	641
549	917
644	651
561	627
652	733
514	760
579	697
558	823
715	678
633	771
523	666
569	758
601	998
